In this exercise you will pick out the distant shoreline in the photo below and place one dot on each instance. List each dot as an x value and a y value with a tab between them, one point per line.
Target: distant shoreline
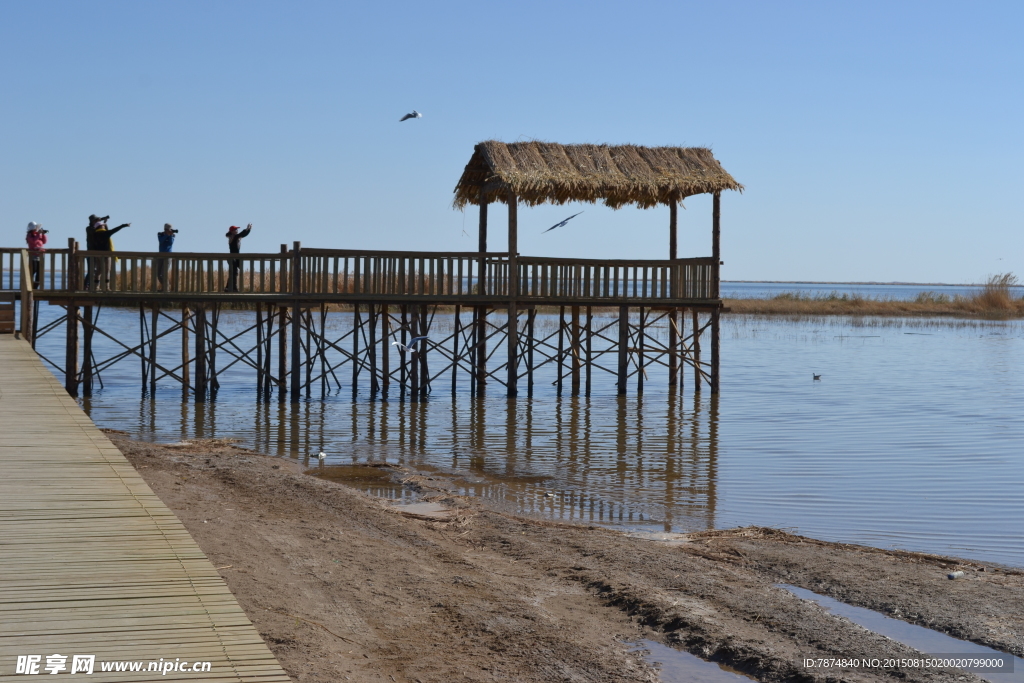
814	282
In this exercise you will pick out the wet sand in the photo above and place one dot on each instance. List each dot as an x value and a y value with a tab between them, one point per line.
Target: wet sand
343	586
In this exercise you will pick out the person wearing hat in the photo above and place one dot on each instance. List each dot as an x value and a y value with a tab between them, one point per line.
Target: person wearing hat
235	235
166	240
98	238
35	237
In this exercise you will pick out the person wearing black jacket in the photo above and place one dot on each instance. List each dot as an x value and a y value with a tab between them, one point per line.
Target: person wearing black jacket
235	235
98	238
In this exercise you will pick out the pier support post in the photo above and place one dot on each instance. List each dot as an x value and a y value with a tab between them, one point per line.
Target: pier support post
374	385
673	348
513	350
623	350
714	351
457	337
640	354
282	348
269	354
259	349
71	351
142	347
531	316
357	329
185	360
155	316
413	357
561	349
574	350
296	383
424	368
87	365
695	346
199	321
385	347
590	347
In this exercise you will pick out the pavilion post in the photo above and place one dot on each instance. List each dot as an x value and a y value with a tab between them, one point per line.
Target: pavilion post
513	292
673	325
673	235
480	312
716	254
482	231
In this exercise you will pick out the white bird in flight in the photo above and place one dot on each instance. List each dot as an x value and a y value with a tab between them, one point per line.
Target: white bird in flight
412	342
559	225
412	115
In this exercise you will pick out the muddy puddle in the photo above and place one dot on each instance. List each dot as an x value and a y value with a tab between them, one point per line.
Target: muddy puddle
676	666
933	643
375	480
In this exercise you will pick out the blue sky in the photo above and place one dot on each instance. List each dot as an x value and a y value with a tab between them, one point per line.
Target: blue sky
877	140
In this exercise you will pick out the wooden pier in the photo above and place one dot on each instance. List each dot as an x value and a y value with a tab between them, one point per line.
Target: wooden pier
92	562
394	296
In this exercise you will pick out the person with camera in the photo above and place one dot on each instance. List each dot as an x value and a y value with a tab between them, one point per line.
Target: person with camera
36	240
166	240
98	238
235	235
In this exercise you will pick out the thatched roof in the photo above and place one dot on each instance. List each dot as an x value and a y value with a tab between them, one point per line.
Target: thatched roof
547	172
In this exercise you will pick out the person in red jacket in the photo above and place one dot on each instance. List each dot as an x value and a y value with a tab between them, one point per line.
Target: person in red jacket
36	240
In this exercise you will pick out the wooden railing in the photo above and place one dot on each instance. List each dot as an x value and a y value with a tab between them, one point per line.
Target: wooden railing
182	273
53	264
332	272
443	274
615	279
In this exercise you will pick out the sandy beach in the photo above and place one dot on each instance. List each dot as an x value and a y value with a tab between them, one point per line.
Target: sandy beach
343	586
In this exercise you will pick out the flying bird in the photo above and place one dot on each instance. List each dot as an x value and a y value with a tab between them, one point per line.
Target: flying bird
412	115
409	347
559	225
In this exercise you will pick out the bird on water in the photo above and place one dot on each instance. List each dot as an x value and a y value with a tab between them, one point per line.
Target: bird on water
321	455
816	377
411	115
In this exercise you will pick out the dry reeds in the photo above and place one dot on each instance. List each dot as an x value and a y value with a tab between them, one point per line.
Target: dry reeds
997	294
995	299
547	172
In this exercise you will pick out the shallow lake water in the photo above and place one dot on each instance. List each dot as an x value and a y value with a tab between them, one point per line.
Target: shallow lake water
912	438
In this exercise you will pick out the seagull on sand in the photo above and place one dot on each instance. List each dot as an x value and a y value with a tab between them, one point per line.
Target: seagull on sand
412	342
816	377
559	225
411	115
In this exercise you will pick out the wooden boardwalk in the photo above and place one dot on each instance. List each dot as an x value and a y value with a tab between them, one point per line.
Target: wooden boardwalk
91	561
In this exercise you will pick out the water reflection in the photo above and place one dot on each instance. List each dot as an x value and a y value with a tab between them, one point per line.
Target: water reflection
622	460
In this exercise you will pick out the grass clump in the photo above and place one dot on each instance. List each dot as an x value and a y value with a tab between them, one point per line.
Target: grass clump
997	294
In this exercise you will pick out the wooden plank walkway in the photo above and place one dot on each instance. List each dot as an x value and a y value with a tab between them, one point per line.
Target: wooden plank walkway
91	561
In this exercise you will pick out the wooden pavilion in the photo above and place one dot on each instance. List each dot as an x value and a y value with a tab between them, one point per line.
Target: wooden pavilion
535	173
